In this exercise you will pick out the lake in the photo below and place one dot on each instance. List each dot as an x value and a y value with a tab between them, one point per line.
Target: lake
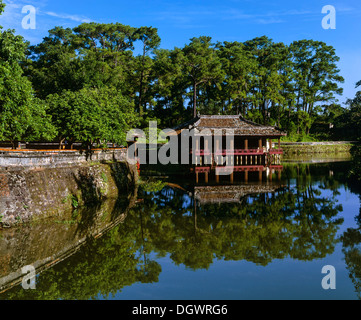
266	235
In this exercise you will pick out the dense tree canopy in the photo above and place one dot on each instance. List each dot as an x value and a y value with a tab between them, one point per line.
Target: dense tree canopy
22	115
92	115
350	125
293	86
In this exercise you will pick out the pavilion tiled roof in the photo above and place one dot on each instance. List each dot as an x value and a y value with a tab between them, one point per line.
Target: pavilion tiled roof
239	125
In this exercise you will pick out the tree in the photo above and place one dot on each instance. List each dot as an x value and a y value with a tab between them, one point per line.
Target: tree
92	115
267	85
51	65
239	67
350	125
271	83
105	55
143	64
201	65
354	115
316	75
22	116
170	88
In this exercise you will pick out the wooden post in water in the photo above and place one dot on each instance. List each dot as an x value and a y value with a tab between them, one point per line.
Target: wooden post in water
205	160
217	149
197	149
232	151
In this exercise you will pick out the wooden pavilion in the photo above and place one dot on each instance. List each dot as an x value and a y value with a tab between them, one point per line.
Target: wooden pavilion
231	140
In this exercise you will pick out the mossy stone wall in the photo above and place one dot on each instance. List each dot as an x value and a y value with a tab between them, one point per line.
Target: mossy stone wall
27	193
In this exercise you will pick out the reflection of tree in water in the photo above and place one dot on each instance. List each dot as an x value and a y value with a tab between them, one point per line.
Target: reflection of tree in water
351	247
351	238
296	222
102	267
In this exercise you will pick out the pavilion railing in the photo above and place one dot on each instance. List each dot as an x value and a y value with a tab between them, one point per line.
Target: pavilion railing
231	152
275	151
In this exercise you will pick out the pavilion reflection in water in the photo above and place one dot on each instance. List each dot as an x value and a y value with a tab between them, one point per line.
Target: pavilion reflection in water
230	184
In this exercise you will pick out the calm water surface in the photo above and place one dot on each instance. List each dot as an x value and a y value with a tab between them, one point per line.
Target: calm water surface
221	240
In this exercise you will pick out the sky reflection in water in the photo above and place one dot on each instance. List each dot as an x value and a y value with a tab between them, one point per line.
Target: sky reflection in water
269	245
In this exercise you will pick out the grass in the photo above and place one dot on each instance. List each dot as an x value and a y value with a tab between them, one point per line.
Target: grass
319	149
306	138
104	177
73	199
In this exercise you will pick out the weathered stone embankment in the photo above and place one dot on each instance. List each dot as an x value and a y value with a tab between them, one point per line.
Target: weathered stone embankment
36	185
55	158
44	243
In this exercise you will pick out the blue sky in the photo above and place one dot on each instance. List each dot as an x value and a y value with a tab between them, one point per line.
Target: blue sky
223	20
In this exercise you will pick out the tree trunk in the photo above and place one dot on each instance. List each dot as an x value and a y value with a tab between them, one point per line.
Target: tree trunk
141	84
194	99
61	143
14	145
298	109
265	112
141	95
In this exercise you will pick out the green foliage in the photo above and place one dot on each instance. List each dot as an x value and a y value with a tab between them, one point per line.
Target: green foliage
77	75
350	126
152	185
92	115
2	6
22	116
355	170
104	177
267	82
201	66
351	119
72	199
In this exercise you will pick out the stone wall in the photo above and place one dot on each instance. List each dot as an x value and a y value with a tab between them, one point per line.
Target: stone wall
32	191
51	202
54	158
44	243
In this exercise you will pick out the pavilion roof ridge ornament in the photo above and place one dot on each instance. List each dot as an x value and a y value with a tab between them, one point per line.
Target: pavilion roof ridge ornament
218	116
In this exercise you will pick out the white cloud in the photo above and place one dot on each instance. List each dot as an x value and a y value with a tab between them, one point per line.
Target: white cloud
65	16
269	21
12	16
196	15
45	19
